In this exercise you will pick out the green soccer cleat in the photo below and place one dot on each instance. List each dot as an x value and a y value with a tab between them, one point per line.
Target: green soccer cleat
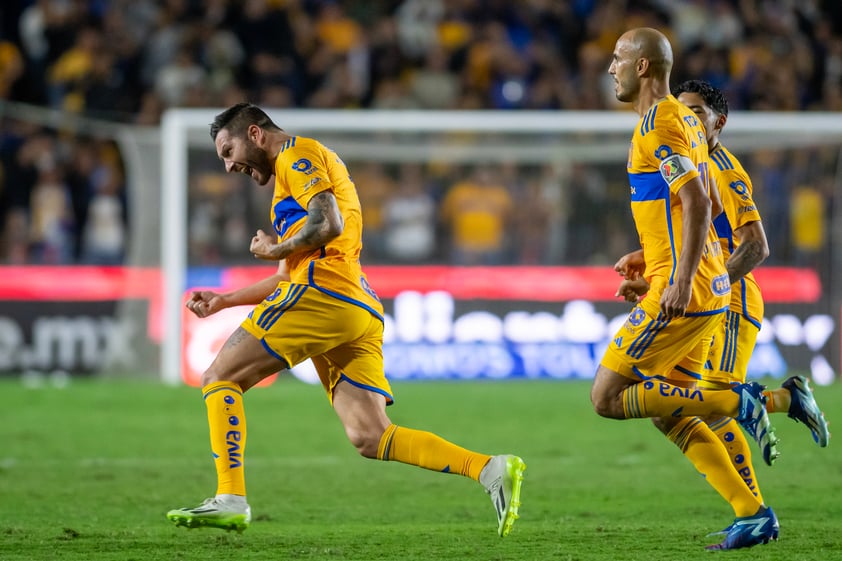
227	512
502	477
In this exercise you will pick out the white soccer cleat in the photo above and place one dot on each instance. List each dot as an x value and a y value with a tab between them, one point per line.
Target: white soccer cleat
502	477
228	512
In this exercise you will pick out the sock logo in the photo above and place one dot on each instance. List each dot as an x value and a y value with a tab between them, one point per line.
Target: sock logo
235	457
668	390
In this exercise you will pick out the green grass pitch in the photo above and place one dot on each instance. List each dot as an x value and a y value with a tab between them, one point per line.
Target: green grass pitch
87	473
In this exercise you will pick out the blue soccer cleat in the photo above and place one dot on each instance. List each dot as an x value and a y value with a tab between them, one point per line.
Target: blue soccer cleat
752	416
748	531
803	408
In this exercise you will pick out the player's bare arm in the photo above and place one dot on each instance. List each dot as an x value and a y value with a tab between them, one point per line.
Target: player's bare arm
752	251
696	208
324	222
632	290
207	302
631	265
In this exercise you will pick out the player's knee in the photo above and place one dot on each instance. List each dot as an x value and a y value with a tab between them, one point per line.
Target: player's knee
211	376
365	441
606	406
661	425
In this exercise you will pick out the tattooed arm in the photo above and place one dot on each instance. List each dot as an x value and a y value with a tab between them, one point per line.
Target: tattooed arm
753	250
324	222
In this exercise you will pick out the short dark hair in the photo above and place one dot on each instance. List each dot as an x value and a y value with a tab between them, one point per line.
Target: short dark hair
238	118
713	96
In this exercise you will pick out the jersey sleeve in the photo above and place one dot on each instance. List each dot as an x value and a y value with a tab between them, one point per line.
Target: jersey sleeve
670	151
306	172
736	192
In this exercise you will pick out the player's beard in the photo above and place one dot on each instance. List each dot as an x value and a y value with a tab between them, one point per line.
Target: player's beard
259	161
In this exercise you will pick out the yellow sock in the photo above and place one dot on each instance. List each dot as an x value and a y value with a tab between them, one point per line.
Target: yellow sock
777	401
227	422
708	455
660	399
728	432
429	451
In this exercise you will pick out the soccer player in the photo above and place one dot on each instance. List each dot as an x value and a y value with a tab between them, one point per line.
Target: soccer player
318	305
668	169
744	246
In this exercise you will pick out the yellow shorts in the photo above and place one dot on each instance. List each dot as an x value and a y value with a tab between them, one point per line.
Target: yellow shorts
647	347
344	341
730	350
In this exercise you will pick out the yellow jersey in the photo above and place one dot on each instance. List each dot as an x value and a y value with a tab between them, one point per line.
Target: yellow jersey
735	190
304	167
668	149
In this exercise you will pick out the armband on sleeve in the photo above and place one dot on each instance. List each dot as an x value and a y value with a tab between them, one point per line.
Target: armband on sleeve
675	167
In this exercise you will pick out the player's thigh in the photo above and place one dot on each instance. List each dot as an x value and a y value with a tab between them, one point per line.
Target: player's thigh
359	363
362	413
647	346
243	360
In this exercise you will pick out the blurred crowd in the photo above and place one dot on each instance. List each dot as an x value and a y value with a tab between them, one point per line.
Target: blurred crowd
63	194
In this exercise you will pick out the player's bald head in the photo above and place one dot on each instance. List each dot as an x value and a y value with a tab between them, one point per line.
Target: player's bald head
652	45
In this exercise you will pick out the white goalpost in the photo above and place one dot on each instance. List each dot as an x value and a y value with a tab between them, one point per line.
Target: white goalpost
529	137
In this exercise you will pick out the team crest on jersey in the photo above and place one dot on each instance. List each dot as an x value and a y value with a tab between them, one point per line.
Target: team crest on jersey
636	317
304	165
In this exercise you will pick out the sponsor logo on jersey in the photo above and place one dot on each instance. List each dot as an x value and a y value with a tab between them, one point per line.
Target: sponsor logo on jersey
721	285
304	165
312	182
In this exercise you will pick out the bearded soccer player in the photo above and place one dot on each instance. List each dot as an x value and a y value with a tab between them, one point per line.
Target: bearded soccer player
689	290
318	305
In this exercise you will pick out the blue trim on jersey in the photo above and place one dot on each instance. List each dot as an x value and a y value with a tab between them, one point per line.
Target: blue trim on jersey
272	310
287	212
637	372
748	318
688	372
648	123
272	352
729	349
642	341
721	159
296	291
342	297
389	398
723	230
706	312
744	311
289	143
648	186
